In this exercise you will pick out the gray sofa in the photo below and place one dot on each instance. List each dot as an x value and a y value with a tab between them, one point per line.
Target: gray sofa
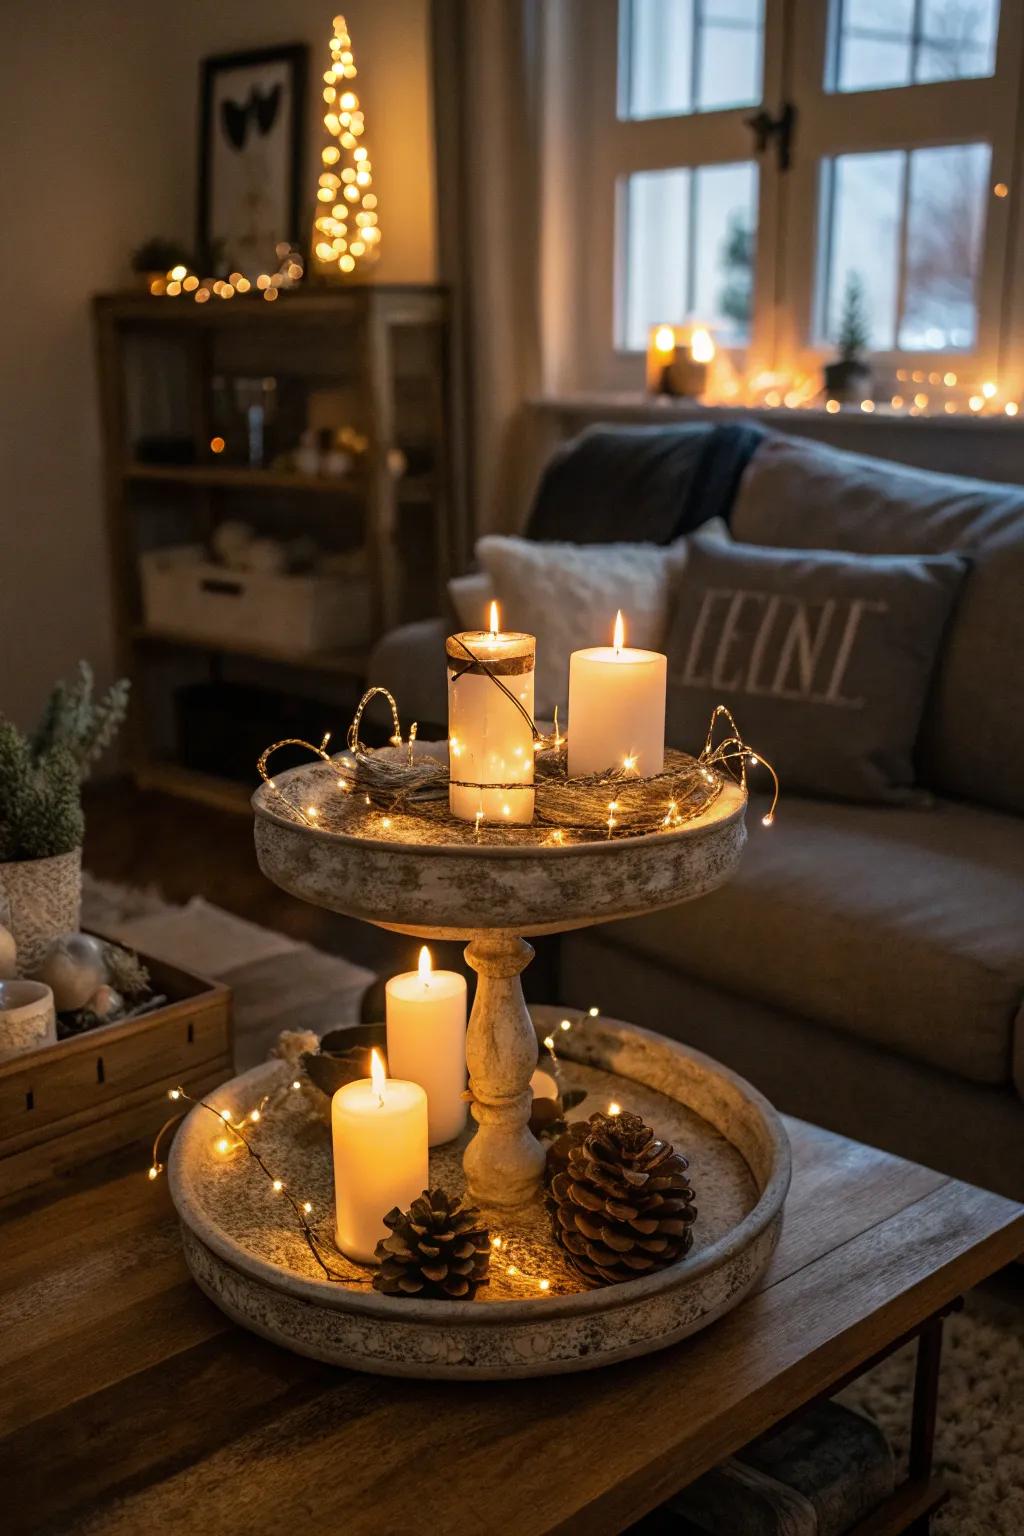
865	967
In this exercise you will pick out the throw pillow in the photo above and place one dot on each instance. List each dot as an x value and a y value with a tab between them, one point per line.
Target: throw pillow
470	596
824	658
568	594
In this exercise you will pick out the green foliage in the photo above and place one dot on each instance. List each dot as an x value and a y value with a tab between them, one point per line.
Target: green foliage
737	263
41	776
854	325
159	255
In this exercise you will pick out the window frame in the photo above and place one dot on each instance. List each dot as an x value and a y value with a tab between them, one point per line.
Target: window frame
796	54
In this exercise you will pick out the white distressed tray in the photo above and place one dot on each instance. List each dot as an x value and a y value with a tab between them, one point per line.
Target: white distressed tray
245	1251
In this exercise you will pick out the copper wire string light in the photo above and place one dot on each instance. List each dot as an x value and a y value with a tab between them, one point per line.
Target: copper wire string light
406	795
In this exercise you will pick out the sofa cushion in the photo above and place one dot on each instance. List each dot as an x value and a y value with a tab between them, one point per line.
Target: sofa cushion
805	496
905	927
824	657
410	661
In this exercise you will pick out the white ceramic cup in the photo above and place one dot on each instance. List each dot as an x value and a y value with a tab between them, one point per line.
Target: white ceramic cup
27	1017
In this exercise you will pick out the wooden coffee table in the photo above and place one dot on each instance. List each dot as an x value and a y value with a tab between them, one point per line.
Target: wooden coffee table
131	1404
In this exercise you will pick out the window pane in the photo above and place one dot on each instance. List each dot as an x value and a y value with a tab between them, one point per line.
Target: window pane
922	210
945	226
689	250
864	240
682	56
883	43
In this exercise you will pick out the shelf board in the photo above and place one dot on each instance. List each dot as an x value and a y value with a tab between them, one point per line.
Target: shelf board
348	663
228	475
239	477
208	788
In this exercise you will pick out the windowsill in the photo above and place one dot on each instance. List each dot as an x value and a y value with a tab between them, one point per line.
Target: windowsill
633	406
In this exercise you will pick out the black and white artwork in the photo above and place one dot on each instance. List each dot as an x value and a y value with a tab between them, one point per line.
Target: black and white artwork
250	158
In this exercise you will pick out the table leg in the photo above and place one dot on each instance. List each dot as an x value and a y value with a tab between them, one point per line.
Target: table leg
504	1162
925	1411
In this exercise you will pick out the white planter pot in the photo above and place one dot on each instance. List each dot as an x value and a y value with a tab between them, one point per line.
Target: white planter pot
39	900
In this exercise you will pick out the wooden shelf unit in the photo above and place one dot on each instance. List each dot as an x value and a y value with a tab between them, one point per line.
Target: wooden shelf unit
379	345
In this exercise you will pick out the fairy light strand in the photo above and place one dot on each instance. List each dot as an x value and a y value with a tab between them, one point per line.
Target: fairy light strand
301	1207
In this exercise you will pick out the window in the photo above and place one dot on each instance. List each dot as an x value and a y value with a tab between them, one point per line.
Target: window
880	44
907	225
681	56
690	243
896	176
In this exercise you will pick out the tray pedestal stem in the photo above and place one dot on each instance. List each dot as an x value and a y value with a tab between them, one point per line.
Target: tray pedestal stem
504	1161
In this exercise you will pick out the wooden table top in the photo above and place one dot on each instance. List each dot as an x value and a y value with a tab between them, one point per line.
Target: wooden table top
130	1404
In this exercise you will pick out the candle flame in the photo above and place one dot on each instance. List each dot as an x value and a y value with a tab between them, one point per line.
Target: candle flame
425	966
377	1075
702	348
664	339
619	634
494	619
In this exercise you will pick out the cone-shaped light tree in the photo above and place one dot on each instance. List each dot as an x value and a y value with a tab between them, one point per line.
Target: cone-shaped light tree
346	233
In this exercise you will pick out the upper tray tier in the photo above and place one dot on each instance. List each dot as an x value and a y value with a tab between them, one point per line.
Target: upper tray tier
451	890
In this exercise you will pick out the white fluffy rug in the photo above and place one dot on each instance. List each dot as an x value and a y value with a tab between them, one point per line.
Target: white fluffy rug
979	1443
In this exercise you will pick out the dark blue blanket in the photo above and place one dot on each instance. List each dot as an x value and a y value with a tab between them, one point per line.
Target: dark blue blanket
640	484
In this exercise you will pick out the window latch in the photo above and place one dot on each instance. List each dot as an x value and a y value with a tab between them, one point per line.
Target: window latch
765	128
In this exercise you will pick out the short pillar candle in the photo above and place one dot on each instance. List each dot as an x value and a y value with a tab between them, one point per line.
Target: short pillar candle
426	1014
379	1134
616	709
490	727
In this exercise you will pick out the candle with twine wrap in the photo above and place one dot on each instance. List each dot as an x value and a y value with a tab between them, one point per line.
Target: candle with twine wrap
490	725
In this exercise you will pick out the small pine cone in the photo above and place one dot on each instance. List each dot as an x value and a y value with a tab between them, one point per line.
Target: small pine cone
622	1205
438	1249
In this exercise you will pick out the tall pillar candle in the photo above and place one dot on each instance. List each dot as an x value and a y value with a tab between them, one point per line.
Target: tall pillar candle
490	734
379	1133
616	709
426	1013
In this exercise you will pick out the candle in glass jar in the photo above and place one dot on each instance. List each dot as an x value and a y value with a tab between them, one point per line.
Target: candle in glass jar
616	708
426	1013
490	735
379	1132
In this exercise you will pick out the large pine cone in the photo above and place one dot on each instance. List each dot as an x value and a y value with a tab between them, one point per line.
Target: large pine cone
622	1203
437	1249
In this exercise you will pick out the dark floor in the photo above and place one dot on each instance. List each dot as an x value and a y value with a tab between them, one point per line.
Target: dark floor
184	849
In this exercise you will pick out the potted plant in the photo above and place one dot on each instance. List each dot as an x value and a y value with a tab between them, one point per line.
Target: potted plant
849	377
41	821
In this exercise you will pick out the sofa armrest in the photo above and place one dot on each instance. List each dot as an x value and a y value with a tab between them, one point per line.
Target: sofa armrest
410	661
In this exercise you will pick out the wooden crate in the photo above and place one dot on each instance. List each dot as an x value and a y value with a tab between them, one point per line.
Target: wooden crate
74	1100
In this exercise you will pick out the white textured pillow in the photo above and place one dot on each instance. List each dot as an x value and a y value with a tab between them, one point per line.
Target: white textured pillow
567	595
470	597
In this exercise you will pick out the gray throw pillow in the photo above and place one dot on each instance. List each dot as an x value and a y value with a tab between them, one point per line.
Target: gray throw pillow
824	658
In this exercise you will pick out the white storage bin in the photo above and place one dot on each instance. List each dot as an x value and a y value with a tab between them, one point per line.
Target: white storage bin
186	593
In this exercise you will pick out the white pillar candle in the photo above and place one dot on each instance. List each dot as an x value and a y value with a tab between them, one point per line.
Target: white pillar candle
543	1085
616	709
490	737
379	1131
426	1013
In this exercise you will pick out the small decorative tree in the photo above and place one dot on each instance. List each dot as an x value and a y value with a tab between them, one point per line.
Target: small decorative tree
854	326
346	181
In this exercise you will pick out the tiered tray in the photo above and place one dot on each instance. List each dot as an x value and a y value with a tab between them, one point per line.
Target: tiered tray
247	1255
243	1251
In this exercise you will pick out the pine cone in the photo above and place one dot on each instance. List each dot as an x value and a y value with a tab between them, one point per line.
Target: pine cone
437	1249
622	1204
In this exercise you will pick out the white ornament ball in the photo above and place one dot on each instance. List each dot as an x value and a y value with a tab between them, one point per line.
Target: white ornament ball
74	969
231	541
8	955
106	1002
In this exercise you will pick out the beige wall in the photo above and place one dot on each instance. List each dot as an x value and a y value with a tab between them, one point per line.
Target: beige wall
99	113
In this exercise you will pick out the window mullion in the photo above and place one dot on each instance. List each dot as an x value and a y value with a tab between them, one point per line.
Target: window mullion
901	275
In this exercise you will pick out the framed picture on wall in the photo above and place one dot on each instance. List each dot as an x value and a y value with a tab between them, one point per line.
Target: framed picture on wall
252	121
